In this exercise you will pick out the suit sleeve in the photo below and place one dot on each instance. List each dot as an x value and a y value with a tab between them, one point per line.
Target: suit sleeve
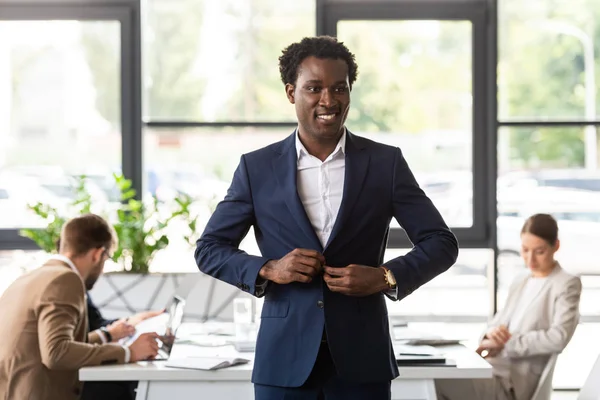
562	328
217	251
95	318
435	247
59	311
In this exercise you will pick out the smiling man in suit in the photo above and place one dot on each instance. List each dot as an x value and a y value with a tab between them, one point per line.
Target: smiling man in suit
44	320
321	202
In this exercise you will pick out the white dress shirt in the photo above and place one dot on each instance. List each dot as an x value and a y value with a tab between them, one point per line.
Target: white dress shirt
70	263
320	186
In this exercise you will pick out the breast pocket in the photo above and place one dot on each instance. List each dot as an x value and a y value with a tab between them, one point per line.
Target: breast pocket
275	308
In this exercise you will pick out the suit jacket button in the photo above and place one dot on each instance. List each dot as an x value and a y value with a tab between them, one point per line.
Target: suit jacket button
320	304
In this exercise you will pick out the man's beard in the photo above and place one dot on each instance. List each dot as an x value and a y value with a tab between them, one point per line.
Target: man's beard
90	282
93	277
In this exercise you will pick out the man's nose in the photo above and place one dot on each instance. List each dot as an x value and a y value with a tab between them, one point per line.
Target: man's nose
327	100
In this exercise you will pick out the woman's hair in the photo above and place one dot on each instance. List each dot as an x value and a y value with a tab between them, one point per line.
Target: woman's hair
86	232
543	226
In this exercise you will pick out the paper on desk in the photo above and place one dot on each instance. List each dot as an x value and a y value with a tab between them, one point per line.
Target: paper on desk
205	363
156	324
412	350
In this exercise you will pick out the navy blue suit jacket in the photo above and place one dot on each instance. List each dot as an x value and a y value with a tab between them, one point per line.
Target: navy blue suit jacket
378	186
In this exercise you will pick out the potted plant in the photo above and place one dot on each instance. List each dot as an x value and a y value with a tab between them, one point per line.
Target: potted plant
141	228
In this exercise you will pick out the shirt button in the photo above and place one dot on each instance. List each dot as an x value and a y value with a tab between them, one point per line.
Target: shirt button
320	304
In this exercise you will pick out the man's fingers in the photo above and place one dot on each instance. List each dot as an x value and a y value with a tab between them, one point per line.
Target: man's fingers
311	262
339	289
336	271
306	269
332	281
298	277
310	253
151	335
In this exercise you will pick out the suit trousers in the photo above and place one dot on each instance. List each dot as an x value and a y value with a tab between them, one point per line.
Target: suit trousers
105	390
324	384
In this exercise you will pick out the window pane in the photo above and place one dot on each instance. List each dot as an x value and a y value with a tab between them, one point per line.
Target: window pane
542	170
59	112
218	60
414	91
548	59
461	294
200	163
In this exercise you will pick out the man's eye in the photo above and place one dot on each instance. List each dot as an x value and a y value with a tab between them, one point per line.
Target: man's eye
314	89
341	89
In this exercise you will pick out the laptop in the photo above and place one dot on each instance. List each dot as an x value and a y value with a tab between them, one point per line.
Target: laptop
166	325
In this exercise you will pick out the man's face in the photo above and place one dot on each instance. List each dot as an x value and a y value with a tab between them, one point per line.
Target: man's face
322	97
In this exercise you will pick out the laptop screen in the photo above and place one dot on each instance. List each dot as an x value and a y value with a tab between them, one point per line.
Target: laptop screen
175	315
173	324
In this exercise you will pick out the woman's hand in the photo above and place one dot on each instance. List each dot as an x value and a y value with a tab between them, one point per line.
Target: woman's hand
489	348
499	334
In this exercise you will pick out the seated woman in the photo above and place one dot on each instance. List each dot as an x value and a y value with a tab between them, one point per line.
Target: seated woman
540	317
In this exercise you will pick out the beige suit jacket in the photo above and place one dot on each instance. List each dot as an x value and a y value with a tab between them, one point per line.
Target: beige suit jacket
546	329
43	336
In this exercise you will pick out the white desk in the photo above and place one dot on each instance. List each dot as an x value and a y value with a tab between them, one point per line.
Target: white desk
158	382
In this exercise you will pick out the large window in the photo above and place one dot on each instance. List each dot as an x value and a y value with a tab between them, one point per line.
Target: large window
403	97
548	148
60	113
210	65
548	59
216	61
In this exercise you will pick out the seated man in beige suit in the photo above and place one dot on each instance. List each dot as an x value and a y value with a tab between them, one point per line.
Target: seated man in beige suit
44	320
540	317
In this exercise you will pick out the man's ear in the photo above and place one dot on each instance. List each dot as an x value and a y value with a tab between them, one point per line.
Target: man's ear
289	91
97	254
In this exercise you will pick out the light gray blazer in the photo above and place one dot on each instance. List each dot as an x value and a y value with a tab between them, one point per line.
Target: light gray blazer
547	328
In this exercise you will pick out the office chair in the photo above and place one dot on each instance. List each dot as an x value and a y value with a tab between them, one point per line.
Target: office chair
591	388
543	390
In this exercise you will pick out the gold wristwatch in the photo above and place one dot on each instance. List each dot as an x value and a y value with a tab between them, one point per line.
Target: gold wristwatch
389	278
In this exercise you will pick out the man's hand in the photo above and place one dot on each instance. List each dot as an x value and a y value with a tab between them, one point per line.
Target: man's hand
120	329
145	347
489	348
299	265
139	317
499	334
355	280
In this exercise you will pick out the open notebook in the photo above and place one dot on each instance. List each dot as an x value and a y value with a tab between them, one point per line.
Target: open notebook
205	363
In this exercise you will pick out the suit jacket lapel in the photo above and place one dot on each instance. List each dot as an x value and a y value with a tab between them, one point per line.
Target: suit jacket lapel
285	168
357	165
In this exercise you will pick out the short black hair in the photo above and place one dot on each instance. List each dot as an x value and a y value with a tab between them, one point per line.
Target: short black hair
320	47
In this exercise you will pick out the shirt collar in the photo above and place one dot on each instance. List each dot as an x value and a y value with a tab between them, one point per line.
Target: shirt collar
66	260
340	146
